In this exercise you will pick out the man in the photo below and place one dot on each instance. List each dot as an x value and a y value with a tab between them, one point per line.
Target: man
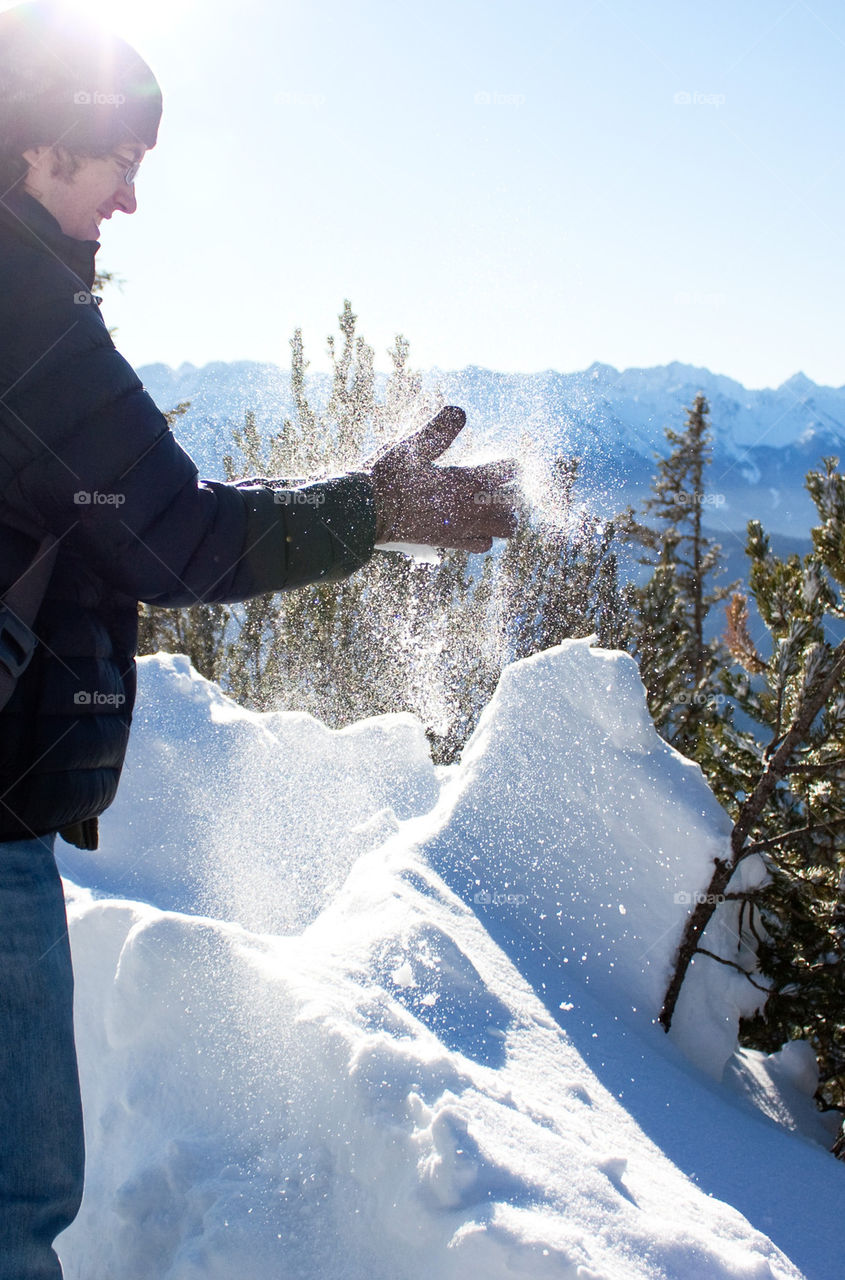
100	508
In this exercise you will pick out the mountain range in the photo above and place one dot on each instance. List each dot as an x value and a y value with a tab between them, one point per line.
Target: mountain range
764	441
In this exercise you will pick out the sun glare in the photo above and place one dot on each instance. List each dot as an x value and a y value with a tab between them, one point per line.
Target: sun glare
134	19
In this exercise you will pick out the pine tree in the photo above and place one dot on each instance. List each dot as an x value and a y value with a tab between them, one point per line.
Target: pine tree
329	649
198	631
677	663
555	579
784	785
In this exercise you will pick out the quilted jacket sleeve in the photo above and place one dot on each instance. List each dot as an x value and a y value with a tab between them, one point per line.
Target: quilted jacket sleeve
95	461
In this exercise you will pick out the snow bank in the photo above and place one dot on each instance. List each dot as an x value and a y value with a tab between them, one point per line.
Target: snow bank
247	817
582	838
371	1056
781	1085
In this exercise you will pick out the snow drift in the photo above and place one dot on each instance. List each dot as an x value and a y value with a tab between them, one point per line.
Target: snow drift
343	1014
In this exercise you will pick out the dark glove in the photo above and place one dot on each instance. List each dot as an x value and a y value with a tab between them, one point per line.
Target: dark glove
418	502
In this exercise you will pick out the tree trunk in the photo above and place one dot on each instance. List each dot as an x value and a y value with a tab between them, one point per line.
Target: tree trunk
749	812
694	928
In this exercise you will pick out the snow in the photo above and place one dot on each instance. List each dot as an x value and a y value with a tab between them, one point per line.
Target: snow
345	1014
599	407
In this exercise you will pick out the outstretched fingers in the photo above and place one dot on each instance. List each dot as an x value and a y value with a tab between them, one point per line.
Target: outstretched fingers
436	436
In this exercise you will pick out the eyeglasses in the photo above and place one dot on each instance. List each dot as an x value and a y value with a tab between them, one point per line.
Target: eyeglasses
130	168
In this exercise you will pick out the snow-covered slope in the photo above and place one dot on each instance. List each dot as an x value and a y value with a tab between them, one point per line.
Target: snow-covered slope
412	1033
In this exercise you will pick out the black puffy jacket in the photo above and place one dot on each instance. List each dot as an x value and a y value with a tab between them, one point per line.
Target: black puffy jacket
86	455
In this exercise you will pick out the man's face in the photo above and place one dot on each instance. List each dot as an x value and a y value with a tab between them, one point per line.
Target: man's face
79	201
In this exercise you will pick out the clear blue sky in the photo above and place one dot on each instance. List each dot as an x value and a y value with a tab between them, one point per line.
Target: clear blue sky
514	185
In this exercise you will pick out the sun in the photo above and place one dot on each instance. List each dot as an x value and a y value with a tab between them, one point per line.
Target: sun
133	19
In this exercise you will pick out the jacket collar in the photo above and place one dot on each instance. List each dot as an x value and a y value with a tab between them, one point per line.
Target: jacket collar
26	217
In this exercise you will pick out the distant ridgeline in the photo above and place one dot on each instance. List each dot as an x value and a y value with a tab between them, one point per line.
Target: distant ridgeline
764	442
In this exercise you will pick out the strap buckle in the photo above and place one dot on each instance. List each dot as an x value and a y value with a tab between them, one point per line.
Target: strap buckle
17	642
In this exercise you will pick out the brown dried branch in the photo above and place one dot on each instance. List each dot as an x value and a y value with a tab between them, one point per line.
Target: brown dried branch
738	638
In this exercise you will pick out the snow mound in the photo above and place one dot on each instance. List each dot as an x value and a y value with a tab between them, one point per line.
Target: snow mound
375	1019
582	838
249	817
781	1085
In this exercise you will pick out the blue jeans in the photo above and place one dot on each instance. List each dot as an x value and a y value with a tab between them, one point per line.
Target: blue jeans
41	1138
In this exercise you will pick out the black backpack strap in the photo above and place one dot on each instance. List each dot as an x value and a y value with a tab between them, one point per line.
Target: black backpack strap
18	609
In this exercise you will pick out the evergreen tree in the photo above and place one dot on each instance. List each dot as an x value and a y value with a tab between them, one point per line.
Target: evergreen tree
556	578
329	649
198	631
677	663
784	784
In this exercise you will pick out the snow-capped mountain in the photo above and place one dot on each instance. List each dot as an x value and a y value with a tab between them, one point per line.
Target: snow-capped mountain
764	441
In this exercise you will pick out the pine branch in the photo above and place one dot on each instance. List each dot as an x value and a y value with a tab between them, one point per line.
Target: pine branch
810	769
837	824
702	951
777	765
738	638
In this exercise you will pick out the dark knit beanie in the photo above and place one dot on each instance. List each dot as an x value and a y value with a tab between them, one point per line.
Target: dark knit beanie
65	81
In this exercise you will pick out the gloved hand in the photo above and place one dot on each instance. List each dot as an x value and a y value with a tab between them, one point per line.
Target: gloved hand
418	502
